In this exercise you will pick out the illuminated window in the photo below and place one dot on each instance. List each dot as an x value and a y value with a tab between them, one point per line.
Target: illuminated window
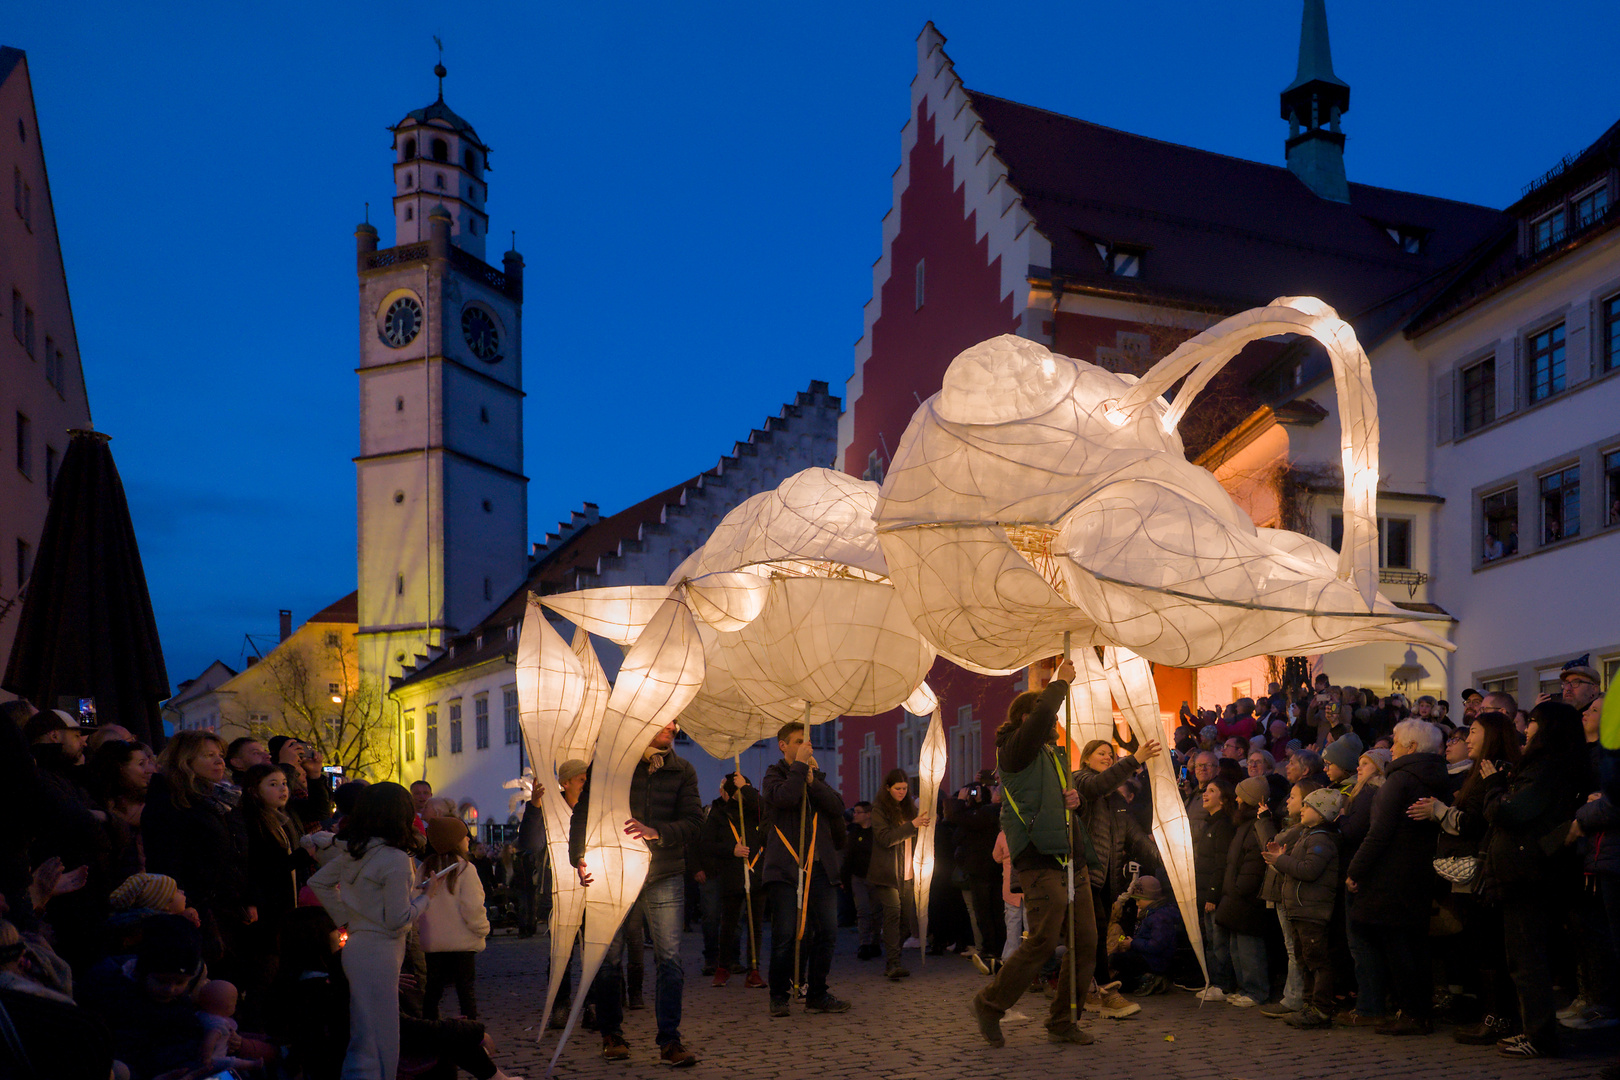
1500	511
430	748
514	729
481	722
1561	505
455	727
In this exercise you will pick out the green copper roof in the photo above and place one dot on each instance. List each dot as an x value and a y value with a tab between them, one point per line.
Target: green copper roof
1315	55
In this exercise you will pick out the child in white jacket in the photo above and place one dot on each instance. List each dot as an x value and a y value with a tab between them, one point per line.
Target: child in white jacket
456	923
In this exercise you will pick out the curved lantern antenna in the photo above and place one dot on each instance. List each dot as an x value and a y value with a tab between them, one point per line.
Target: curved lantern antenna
1200	358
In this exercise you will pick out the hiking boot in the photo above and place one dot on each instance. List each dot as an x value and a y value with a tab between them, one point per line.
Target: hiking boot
677	1056
779	1006
1492	1029
828	1004
896	972
722	976
1406	1025
1351	1018
1308	1017
1111	1003
754	982
1277	1011
1071	1034
614	1048
989	1021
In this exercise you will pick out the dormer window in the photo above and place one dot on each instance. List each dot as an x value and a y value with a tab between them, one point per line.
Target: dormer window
1547	230
1119	260
1590	205
1407	239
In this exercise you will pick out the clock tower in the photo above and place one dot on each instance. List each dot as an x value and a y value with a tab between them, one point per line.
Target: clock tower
442	499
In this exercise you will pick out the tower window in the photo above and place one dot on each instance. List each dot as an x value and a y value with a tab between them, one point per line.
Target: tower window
399	404
489	507
441	150
483	414
472	226
410	149
399	584
438	181
472	161
410	212
410	180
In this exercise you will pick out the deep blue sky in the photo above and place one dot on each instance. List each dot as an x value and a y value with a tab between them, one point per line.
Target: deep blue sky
697	190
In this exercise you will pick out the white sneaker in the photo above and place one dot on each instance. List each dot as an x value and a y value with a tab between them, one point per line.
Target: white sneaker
1595	1018
1242	1001
1576	1007
1212	993
911	943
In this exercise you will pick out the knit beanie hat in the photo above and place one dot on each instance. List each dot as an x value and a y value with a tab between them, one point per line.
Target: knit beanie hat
569	769
1382	756
1328	802
445	834
143	891
1344	752
1254	790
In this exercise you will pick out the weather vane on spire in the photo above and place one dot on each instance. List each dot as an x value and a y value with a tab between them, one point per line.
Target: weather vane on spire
438	69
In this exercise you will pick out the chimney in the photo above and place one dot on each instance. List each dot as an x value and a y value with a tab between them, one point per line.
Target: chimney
286	624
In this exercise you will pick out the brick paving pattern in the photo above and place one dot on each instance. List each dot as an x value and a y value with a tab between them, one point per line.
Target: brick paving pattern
920	1029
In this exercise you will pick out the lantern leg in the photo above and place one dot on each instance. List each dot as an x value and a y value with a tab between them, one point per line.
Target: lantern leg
1074	974
804	863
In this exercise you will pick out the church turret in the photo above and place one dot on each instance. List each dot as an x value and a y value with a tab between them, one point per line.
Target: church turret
1312	104
439	159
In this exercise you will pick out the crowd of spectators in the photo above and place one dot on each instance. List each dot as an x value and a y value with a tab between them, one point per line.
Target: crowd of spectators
213	909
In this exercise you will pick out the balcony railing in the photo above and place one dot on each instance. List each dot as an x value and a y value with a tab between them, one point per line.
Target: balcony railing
1412	579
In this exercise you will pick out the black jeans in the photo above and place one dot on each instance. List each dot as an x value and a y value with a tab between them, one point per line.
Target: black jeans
1526	923
446	969
1405	953
820	933
733	953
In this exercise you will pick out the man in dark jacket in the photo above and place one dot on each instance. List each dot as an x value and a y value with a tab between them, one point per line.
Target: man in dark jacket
1037	814
803	834
857	857
732	847
667	816
978	821
1391	877
71	829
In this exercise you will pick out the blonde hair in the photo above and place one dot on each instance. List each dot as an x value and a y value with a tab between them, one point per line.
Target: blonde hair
1375	780
176	762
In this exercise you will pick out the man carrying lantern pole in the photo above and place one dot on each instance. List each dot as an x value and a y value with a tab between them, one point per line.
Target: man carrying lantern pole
1043	836
798	802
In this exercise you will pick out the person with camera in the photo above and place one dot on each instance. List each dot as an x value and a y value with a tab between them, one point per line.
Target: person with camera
1043	835
976	813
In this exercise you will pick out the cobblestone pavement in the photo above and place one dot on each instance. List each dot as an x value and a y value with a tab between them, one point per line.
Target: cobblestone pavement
920	1029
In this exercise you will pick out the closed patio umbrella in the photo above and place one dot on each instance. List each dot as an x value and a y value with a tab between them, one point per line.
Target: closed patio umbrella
86	628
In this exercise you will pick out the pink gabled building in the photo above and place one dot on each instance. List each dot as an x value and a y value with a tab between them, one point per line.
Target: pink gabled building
1114	248
42	391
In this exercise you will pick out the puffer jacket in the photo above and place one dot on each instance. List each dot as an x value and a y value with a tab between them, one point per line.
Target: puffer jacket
1241	910
665	798
455	921
1266	828
1115	835
1211	842
1158	930
1309	871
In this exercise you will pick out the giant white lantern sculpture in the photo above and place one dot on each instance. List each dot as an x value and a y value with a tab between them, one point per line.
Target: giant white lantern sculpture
784	614
1037	497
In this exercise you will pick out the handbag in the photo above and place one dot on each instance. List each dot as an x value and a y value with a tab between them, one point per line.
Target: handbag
1458	869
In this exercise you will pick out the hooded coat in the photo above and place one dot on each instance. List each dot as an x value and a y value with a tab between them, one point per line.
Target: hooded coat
1394	867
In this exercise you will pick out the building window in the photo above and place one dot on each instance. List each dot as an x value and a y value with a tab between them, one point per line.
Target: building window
455	727
871	766
441	150
920	282
25	449
1547	230
50	471
511	632
438	181
472	161
1121	262
912	731
28	207
481	722
16	191
410	734
1547	363
514	729
1611	333
28	330
333	640
1394	542
410	212
824	736
1478	394
16	316
25	562
1590	206
399	580
430	746
1408	240
53	367
1611	486
966	749
1501	684
1500	511
1561	505
410	149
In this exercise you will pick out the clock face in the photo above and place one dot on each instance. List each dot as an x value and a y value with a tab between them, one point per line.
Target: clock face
482	338
402	322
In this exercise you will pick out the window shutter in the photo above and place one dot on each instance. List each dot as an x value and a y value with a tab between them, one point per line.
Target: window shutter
1445	410
1507	376
1577	344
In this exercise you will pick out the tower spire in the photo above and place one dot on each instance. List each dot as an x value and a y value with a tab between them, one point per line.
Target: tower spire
438	69
1312	104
